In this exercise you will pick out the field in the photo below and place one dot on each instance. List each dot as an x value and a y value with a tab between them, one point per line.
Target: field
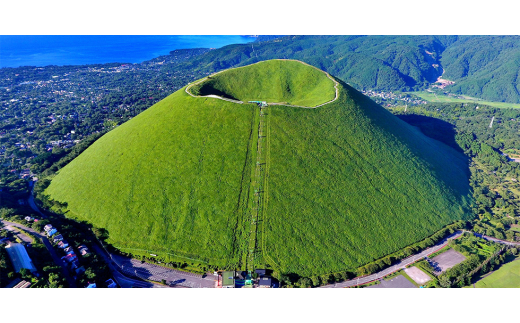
305	191
507	276
428	96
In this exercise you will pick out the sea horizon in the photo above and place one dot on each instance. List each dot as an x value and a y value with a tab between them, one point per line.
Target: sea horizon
40	51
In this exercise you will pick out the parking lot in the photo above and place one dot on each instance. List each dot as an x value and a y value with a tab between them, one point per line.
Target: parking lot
446	260
396	282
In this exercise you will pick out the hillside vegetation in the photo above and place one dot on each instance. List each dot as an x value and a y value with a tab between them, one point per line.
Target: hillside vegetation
484	66
338	186
363	186
169	180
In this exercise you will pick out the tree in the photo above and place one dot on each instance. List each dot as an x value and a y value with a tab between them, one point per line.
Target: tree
55	281
304	282
25	273
445	281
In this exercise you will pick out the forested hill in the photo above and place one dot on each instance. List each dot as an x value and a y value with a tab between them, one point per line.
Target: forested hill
485	67
366	62
481	66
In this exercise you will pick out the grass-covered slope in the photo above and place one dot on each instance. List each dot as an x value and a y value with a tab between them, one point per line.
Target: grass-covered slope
169	180
290	82
349	183
343	184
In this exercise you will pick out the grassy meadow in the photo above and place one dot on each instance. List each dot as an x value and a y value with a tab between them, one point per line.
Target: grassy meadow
428	96
507	276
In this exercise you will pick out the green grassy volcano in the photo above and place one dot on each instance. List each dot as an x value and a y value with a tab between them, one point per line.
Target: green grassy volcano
306	191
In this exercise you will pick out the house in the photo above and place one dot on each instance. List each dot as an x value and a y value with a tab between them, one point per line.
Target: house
70	252
228	279
68	249
28	219
83	250
75	265
23	284
261	272
63	244
51	232
47	227
110	283
69	258
265	282
91	285
57	238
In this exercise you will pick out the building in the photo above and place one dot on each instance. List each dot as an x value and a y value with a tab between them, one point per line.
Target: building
57	238
228	279
47	228
261	272
19	257
83	250
265	282
51	232
110	283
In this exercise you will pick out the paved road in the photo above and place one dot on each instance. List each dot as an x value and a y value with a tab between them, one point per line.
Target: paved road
133	267
400	265
57	260
509	243
18	233
31	202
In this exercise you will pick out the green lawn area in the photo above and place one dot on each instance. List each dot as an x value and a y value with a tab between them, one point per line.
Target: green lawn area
428	96
507	276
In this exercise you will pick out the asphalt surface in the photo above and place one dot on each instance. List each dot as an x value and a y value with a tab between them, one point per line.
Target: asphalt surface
396	282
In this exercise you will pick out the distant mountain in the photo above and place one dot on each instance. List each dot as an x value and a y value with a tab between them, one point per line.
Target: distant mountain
486	67
481	66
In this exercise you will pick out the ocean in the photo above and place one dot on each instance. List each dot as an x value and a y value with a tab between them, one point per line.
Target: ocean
46	50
